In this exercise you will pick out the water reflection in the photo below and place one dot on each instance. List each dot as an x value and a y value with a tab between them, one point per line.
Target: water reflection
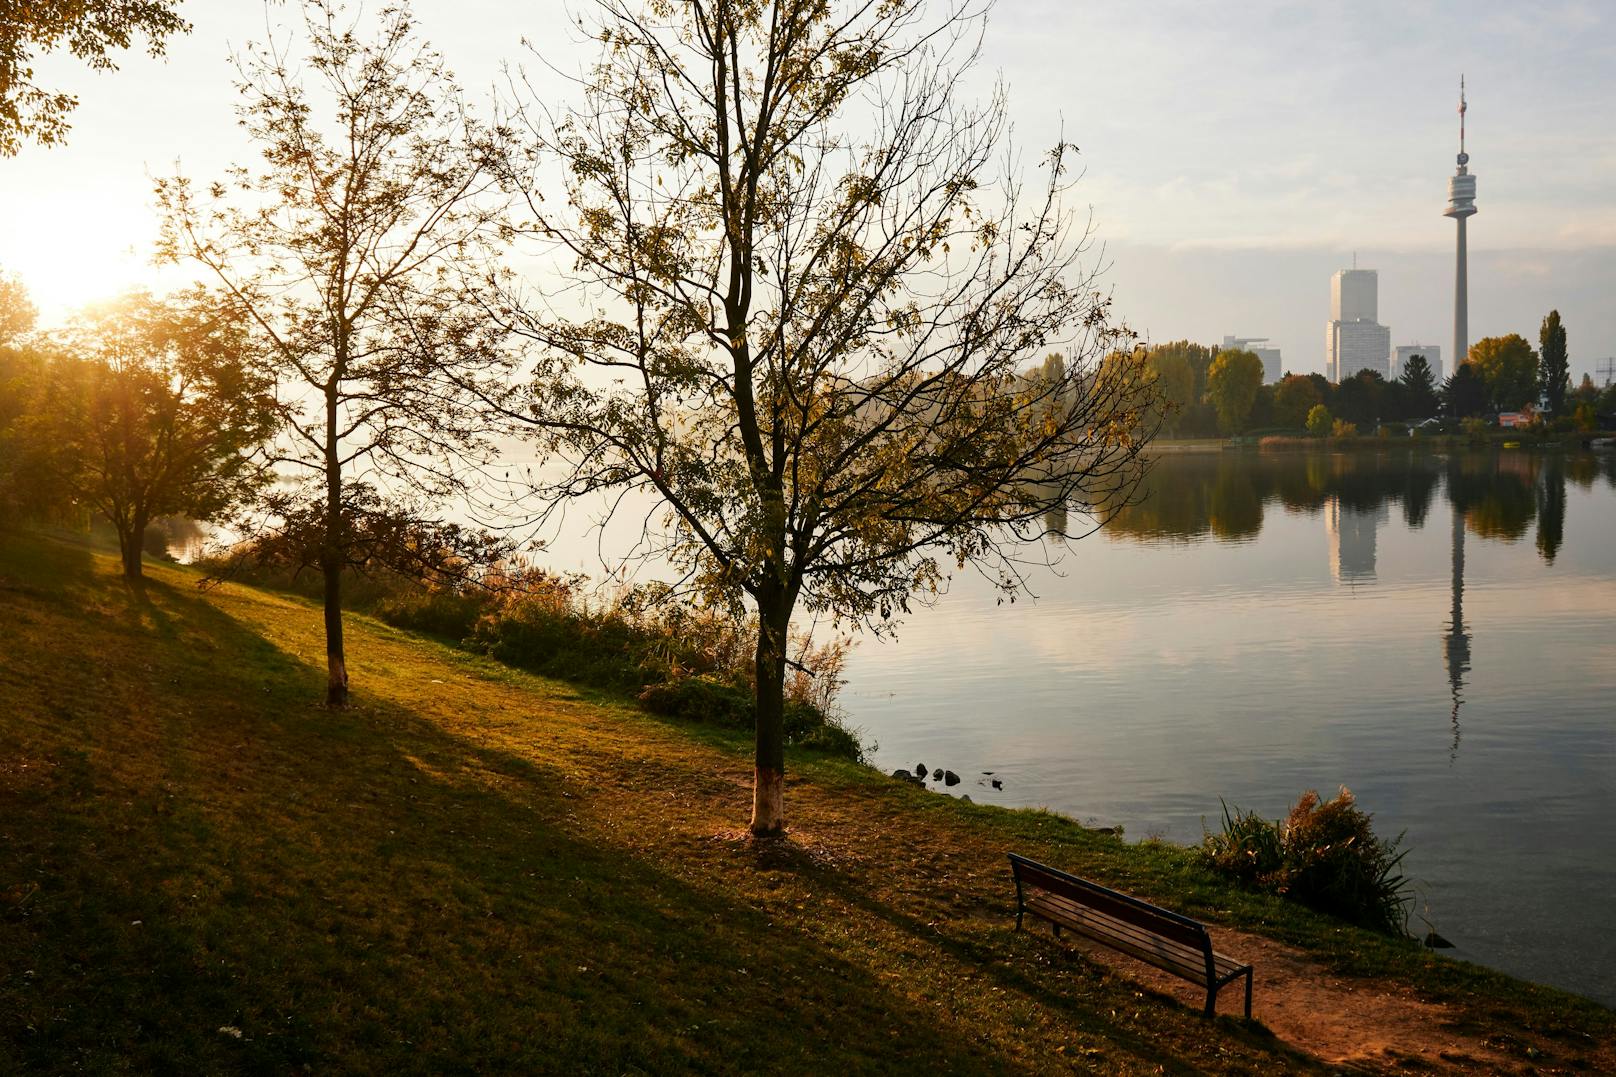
1434	631
1225	496
1352	541
1496	496
1456	644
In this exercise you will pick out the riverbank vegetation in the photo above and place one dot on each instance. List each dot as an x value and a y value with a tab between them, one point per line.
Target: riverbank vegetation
475	868
677	659
1324	854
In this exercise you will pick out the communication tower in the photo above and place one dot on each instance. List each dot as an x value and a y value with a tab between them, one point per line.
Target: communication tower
1461	205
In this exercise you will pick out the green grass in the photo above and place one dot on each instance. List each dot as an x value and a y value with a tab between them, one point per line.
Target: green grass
477	870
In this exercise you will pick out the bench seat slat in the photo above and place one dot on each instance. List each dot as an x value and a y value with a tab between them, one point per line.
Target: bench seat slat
1162	953
1170	925
1086	921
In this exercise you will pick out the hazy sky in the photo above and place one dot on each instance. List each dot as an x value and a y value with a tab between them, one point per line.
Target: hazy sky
1236	154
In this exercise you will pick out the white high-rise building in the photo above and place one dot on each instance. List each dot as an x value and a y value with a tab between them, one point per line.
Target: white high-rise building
1272	368
1353	339
1355	295
1432	353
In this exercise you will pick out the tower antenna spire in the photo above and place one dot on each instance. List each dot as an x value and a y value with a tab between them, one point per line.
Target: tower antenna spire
1462	107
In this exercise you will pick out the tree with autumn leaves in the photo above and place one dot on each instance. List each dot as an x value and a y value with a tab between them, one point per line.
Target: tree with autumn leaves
804	316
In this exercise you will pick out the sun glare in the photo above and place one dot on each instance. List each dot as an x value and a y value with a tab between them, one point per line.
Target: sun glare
69	261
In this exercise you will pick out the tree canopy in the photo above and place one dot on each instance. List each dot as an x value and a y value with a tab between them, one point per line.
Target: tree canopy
1175	383
1418	383
158	412
1464	393
92	30
1507	365
1319	420
1294	397
814	317
17	311
1231	387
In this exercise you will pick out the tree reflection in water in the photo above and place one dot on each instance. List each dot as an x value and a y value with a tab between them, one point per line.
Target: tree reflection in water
1495	496
1223	496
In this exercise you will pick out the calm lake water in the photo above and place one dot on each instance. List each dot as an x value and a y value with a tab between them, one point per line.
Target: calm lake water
1437	633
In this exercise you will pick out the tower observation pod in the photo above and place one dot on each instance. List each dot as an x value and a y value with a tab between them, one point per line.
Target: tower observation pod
1461	206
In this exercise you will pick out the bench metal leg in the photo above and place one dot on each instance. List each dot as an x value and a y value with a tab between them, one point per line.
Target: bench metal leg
1019	913
1212	997
1057	929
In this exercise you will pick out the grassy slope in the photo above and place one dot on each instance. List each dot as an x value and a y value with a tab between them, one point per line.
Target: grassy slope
477	870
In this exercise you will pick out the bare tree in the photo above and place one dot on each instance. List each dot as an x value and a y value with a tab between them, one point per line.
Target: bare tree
347	249
804	299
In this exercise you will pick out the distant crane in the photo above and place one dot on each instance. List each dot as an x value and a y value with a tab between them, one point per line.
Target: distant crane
1608	369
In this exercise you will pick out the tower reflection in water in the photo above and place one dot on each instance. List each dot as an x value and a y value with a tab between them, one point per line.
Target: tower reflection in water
1495	496
1456	644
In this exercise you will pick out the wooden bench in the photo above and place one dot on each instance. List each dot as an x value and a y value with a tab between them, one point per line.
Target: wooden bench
1171	942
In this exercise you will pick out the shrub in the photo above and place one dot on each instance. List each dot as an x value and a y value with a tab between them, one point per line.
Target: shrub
1325	854
700	699
1343	429
450	615
707	699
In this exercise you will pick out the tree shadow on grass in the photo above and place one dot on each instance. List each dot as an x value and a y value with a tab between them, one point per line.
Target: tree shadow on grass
1032	966
220	874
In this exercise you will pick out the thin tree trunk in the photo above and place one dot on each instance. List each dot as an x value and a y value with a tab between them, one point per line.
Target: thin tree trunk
331	560
336	693
768	811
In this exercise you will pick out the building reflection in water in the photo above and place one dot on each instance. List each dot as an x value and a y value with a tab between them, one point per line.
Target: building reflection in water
1352	540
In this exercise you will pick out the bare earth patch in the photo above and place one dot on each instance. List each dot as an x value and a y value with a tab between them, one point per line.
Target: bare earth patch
1360	1025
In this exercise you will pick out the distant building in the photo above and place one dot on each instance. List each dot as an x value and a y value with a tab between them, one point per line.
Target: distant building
1355	295
1432	353
1353	339
1272	369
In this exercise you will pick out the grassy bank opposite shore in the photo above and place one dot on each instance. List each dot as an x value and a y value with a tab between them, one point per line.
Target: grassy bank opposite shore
476	869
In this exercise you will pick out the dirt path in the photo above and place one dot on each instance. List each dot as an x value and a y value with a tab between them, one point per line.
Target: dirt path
1371	1026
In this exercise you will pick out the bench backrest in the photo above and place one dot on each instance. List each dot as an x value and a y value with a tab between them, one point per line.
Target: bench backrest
1158	921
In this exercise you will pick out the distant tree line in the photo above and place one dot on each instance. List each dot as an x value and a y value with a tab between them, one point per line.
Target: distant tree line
1208	392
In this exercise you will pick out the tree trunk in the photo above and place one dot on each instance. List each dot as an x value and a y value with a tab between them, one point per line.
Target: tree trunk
768	812
336	693
130	541
332	557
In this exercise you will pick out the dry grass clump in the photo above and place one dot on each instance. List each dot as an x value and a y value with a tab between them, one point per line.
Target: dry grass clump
1324	854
